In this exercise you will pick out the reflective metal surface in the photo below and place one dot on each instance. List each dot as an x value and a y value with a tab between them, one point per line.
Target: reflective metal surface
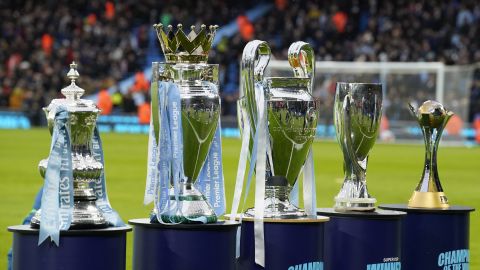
255	58
182	48
357	115
192	205
186	66
292	115
432	118
86	169
200	113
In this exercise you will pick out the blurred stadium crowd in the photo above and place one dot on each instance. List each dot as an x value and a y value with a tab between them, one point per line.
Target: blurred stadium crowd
110	41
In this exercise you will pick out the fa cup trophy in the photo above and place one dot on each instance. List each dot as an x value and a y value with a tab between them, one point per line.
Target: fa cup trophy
432	118
357	114
290	122
185	179
74	194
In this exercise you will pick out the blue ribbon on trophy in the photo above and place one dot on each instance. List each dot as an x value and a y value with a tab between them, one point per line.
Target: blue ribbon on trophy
160	165
165	159
260	170
257	163
163	167
242	164
57	198
100	188
211	174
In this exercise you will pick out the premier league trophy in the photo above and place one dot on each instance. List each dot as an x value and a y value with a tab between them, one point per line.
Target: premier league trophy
185	178
357	114
184	173
432	118
291	120
74	194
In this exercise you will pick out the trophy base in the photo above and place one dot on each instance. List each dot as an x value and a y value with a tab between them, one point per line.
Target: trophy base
277	215
85	215
278	210
428	200
192	208
354	204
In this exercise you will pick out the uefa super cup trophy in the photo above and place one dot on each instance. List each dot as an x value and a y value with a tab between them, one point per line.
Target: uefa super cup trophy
187	131
291	114
75	160
357	114
432	118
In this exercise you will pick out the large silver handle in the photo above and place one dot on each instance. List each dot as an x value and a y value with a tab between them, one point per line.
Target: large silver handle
302	60
255	58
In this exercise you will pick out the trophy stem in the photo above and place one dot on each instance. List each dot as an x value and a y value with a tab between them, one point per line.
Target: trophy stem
353	195
429	192
430	172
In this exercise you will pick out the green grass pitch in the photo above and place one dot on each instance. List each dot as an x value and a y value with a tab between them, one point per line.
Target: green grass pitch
393	172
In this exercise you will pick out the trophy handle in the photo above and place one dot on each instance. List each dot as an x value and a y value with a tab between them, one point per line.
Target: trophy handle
50	119
357	168
413	111
154	101
240	114
302	60
255	58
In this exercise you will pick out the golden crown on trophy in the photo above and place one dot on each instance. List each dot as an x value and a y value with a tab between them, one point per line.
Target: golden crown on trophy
181	48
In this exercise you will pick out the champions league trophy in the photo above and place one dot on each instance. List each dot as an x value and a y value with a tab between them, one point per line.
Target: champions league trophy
185	178
432	118
291	121
357	114
73	173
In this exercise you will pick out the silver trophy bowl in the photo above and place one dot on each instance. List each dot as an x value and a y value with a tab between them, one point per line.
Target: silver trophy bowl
292	115
86	169
357	115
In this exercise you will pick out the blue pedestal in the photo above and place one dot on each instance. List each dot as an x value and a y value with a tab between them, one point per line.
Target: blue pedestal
102	249
363	240
183	246
435	238
289	244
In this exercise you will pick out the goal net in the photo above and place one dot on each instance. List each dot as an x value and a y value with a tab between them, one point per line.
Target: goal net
403	83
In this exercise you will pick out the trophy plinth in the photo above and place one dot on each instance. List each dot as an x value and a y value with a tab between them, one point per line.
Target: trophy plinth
363	239
432	118
80	249
82	117
358	110
186	66
447	228
202	246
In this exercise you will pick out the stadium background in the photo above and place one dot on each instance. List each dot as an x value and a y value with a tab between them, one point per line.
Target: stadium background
114	45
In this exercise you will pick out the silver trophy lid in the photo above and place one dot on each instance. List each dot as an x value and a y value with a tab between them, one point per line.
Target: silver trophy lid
72	93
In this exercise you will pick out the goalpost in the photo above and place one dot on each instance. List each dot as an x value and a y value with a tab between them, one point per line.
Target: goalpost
403	83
